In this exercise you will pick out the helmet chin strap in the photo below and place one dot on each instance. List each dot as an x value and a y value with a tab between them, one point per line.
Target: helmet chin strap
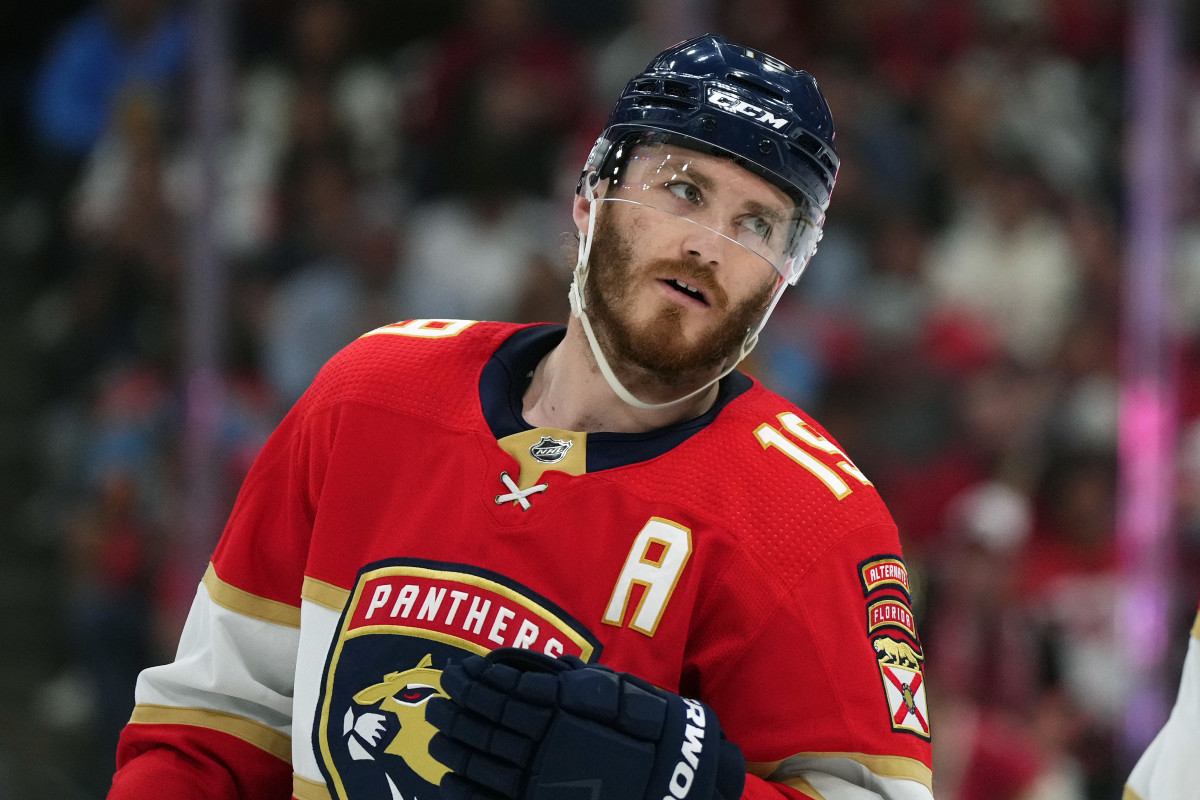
579	309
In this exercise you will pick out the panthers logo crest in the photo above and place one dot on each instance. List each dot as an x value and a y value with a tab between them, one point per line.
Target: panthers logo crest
406	620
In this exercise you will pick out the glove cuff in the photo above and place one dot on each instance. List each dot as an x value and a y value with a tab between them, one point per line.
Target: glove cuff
693	761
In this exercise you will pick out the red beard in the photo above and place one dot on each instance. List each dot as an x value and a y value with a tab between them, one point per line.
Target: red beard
658	354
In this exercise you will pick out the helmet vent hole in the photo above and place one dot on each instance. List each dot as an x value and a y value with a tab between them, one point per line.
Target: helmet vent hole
666	102
758	87
678	89
770	62
810	144
809	156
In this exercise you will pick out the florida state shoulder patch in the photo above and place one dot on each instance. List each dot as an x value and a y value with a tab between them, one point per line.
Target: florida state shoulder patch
893	636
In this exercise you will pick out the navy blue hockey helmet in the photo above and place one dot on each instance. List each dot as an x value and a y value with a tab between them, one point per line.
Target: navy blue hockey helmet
714	96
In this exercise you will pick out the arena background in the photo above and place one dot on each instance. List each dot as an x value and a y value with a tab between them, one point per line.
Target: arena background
1001	326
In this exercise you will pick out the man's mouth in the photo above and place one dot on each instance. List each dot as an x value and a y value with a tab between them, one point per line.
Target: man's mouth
687	289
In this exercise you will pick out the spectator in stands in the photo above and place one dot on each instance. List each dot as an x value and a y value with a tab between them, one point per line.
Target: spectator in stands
117	57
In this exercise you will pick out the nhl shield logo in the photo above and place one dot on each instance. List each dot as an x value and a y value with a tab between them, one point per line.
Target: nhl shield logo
405	620
549	450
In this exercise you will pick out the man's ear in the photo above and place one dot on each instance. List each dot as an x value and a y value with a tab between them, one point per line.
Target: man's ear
580	211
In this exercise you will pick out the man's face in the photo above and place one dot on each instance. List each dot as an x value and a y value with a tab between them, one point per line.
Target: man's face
671	293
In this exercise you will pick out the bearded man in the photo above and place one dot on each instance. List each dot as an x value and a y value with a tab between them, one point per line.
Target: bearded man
594	557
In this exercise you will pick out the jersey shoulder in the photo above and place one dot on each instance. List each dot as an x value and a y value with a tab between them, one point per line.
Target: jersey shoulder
776	477
769	435
429	367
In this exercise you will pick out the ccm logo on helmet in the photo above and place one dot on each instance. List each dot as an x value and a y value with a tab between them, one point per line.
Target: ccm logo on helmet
736	105
693	746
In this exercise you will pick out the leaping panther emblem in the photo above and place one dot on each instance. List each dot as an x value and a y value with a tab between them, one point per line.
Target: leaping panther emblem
402	695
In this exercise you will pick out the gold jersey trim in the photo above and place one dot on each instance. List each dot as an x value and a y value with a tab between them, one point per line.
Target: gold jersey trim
1130	794
1196	627
424	328
264	737
304	789
800	783
325	594
247	604
900	767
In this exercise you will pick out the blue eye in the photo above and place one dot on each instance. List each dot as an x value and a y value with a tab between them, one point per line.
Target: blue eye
758	226
684	191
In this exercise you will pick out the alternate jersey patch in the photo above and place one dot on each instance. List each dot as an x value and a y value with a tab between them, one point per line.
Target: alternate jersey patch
405	620
881	572
892	632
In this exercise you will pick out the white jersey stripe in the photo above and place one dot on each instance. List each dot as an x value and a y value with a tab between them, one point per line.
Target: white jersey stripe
318	628
228	663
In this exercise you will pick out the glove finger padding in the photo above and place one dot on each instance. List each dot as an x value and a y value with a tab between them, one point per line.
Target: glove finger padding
524	726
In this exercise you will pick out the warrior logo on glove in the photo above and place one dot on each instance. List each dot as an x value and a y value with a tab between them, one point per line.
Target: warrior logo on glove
405	620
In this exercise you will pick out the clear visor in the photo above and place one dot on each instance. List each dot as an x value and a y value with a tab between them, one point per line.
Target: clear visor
714	192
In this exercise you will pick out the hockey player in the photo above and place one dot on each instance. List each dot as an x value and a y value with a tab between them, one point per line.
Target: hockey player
482	560
1169	768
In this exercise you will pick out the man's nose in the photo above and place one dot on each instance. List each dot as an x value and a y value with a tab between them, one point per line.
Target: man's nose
704	245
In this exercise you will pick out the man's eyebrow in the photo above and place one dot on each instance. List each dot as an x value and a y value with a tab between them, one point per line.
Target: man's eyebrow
697	176
769	213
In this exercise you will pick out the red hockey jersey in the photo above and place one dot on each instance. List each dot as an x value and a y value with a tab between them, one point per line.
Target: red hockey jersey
403	514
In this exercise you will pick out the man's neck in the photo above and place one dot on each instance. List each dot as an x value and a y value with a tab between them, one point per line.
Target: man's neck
569	392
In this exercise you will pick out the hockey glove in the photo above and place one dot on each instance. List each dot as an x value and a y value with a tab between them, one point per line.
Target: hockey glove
519	725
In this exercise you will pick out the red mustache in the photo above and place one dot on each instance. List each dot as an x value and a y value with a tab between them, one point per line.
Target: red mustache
698	275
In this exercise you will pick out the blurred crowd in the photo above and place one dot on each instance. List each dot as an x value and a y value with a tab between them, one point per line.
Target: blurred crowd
957	331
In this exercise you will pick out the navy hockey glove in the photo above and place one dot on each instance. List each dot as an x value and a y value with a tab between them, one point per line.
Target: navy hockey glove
519	725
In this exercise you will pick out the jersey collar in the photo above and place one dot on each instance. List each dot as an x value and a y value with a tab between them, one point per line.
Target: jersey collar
507	375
